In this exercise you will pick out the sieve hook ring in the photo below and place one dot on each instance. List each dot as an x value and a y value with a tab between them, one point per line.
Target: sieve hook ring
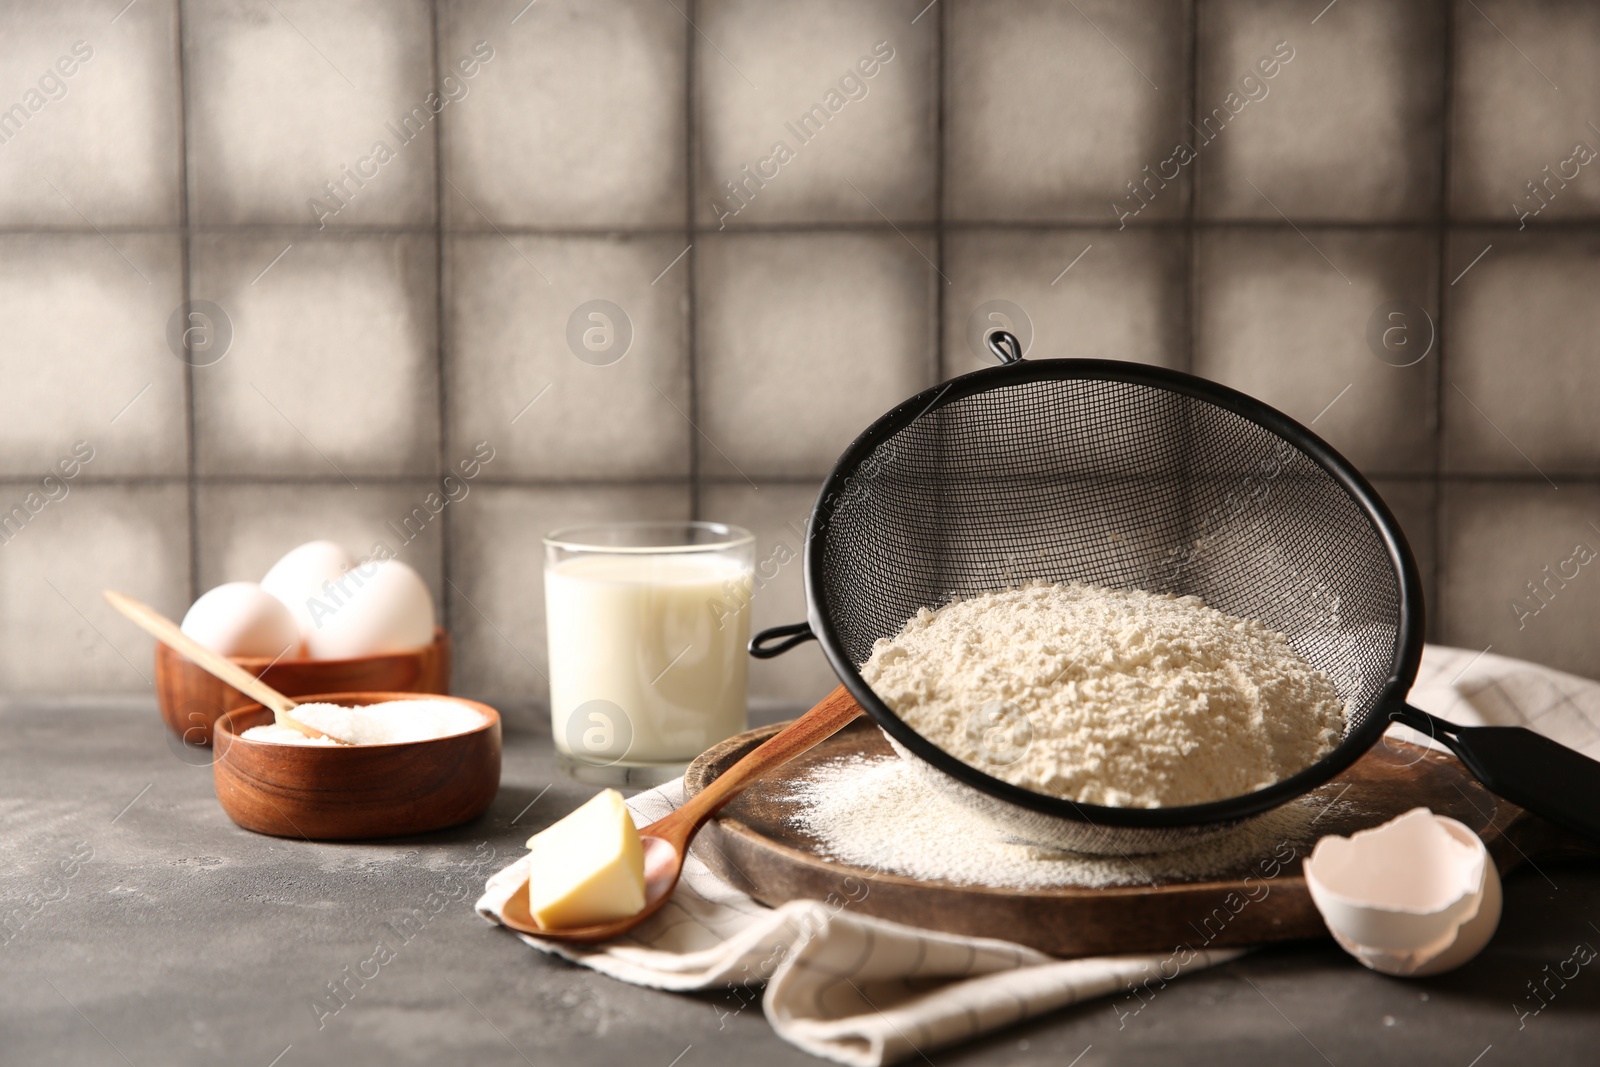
1005	346
794	634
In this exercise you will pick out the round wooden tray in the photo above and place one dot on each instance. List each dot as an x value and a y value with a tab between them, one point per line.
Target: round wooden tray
755	846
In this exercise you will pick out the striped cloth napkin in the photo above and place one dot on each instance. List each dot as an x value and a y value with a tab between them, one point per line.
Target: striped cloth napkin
866	991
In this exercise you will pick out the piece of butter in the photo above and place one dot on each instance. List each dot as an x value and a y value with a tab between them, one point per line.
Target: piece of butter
588	868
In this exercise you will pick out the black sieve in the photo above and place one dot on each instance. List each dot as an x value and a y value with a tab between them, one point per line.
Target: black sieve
1132	476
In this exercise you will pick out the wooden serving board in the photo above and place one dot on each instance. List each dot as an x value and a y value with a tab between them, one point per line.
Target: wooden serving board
754	846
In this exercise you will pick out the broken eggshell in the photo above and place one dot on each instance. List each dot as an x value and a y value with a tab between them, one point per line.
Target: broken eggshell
1416	896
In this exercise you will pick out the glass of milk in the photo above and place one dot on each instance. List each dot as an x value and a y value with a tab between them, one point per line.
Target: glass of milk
647	623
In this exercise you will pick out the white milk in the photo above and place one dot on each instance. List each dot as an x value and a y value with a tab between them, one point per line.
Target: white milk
647	654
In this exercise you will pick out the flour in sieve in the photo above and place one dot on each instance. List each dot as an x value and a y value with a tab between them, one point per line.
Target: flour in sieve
880	813
1108	696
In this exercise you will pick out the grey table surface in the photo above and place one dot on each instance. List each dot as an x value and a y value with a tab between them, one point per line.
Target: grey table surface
138	925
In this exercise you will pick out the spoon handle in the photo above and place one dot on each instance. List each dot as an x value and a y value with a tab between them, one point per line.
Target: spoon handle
835	712
165	630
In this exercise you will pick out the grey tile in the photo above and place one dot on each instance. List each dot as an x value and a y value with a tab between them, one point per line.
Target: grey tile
1093	294
287	96
92	109
777	514
1526	86
57	635
85	356
1284	316
577	119
244	528
1523	383
1499	538
515	379
1348	126
1054	109
804	340
794	75
497	601
332	370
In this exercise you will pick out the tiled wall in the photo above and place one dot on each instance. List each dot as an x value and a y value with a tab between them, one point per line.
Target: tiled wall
579	153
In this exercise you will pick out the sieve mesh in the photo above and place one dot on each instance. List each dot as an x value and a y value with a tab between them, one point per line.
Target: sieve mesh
1068	470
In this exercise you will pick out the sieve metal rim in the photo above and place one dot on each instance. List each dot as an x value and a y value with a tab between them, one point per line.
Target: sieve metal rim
1403	667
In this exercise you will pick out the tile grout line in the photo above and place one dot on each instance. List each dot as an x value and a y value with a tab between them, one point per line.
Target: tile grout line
1191	239
1587	225
186	280
441	355
1190	236
1433	591
1589	478
941	360
691	287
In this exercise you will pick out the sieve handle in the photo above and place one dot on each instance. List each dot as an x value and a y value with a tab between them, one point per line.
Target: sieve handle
761	646
1527	768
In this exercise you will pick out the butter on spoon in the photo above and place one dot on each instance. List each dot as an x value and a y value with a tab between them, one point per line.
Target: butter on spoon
574	880
588	868
218	666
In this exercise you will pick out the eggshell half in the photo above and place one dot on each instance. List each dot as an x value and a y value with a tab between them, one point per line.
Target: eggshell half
242	619
300	575
380	606
1418	895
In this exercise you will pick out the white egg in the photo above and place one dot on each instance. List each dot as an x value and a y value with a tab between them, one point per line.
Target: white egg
242	619
1417	896
299	576
379	606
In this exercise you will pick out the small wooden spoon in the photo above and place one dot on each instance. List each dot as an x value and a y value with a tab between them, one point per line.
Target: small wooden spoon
666	841
165	630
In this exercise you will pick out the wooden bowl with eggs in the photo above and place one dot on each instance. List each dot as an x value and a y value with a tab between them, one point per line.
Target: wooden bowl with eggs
191	700
355	792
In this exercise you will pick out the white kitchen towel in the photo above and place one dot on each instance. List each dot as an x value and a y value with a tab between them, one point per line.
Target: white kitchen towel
867	991
1473	688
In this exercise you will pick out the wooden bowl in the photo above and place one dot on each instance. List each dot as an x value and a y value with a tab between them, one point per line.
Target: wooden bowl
359	791
191	700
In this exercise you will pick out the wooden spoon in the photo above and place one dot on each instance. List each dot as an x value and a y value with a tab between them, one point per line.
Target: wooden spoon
666	841
165	630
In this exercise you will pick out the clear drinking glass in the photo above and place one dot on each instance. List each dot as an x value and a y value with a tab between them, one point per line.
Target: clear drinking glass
648	623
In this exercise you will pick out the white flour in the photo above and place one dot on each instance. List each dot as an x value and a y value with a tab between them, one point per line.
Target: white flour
879	813
1108	696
